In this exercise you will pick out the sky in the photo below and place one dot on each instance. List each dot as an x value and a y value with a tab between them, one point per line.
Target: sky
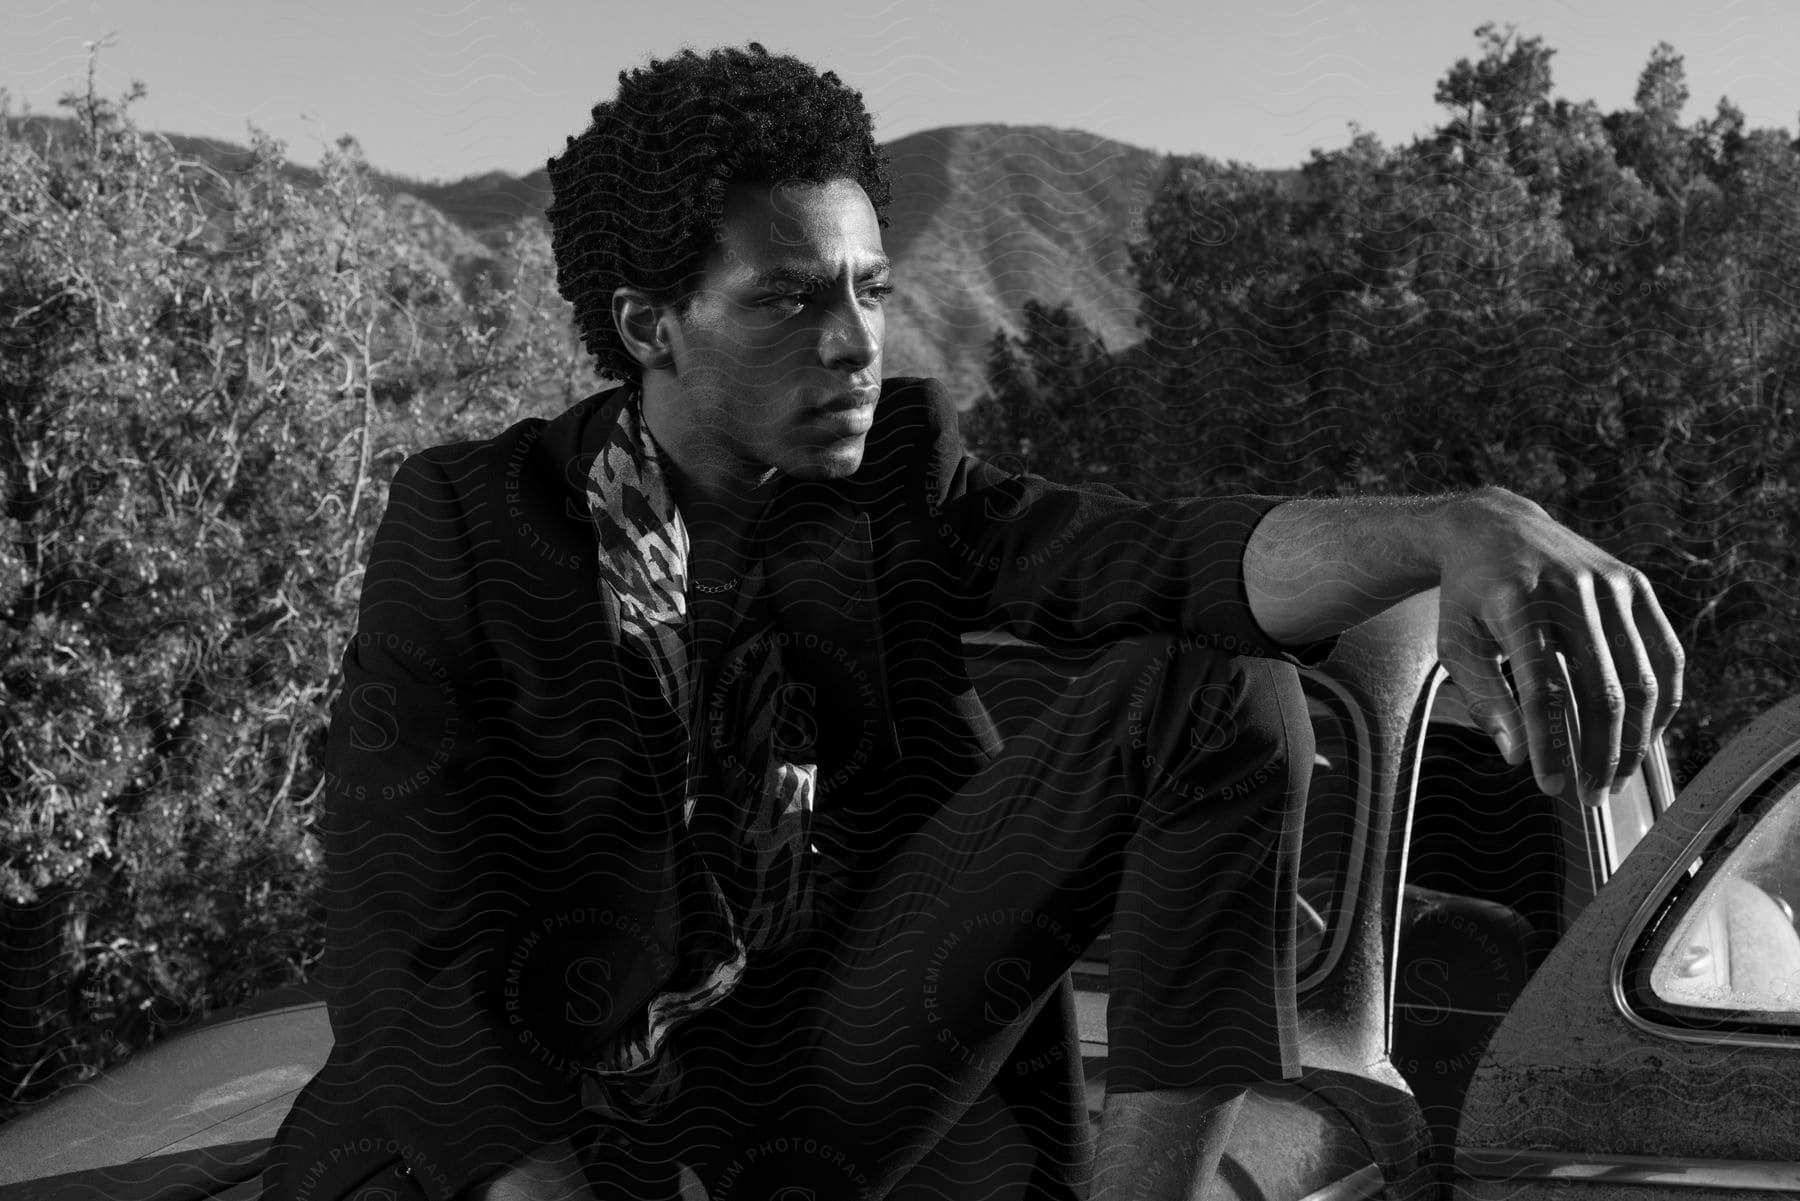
443	89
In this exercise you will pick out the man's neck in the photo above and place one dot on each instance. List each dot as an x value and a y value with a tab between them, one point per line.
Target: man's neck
720	497
719	521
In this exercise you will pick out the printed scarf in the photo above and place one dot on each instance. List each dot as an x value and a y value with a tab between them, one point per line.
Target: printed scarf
742	786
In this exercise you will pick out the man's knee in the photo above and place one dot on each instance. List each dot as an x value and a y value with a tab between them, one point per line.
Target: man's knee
551	1172
1259	709
1200	719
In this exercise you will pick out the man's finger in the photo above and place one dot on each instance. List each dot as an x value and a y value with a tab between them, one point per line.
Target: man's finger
1667	659
1473	660
1637	675
1599	701
1542	690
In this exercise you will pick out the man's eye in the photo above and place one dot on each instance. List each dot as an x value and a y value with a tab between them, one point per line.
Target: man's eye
786	302
878	293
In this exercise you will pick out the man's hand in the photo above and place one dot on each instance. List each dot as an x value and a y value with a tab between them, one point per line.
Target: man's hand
1517	588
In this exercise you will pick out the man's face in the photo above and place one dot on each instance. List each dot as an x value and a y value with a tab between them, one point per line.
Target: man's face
778	358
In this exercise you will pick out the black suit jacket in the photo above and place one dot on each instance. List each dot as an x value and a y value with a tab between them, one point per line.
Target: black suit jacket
505	880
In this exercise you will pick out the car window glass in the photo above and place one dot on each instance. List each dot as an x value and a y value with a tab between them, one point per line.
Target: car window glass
1482	832
1481	907
1735	946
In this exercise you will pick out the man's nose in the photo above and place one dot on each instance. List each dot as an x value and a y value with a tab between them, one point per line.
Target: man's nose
851	337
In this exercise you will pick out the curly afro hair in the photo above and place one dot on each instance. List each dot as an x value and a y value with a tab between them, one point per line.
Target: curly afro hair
636	200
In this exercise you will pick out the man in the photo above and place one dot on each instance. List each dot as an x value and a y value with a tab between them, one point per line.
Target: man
670	850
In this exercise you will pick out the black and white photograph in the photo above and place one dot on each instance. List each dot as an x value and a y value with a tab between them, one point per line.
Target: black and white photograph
899	601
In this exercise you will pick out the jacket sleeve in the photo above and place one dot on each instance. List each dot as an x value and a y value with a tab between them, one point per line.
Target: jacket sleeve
464	988
1065	565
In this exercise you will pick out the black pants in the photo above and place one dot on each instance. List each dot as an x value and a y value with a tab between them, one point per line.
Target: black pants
1163	790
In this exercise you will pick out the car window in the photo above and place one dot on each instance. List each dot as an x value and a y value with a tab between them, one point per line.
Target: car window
1481	831
1483	903
1735	946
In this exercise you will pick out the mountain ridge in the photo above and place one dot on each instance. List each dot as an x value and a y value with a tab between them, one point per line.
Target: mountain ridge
984	217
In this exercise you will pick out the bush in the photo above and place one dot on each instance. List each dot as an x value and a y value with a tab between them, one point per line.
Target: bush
206	381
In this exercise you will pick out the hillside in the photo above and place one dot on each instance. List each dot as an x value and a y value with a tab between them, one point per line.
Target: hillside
453	237
489	203
984	218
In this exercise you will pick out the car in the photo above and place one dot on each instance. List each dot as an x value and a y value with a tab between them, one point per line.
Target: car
1502	994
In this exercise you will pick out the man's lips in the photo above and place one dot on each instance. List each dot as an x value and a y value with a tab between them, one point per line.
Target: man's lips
848	422
850	415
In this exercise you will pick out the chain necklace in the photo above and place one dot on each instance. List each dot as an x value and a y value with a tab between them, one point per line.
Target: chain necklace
730	585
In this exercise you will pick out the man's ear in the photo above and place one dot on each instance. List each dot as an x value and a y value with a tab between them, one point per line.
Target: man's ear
644	326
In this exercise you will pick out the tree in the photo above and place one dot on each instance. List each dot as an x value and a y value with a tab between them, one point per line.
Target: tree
1499	101
1597	310
1662	86
1057	400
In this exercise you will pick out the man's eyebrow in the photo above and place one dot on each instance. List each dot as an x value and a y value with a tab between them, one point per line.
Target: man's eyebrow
806	277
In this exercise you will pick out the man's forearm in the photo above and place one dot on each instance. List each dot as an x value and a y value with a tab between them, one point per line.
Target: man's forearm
1314	568
1595	669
